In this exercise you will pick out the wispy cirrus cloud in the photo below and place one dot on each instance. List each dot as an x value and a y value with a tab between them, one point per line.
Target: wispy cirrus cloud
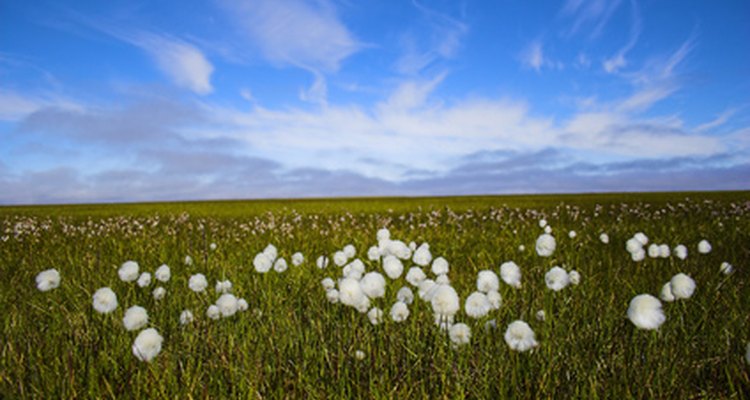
595	14
618	60
182	62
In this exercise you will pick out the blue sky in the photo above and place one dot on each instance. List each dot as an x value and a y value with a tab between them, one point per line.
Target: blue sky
143	100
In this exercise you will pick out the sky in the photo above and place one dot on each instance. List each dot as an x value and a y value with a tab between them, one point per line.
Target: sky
119	101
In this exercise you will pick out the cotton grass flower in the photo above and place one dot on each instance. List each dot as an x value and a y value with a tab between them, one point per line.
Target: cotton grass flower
280	265
350	251
460	334
399	311
442	279
511	274
328	283
520	337
726	268
242	305
383	234
556	279
541	316
393	267
262	263
144	280
339	258
135	318
638	256
645	312
681	252
664	251
641	238
297	259
633	245
350	292
373	285
704	247
213	312
604	238
271	252
405	295
477	305
572	234
188	260
359	355
521	248
227	304
445	301
575	277
322	262
545	245
487	281
105	300
542	223
198	283
399	249
666	293
186	317
653	250
212	246
682	286
332	295
147	344
354	270
415	276
427	289
548	229
375	315
128	271
373	253
223	286
495	299
439	266
163	273
159	293
422	255
48	280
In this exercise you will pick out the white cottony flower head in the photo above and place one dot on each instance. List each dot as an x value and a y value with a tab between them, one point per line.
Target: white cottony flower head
521	248
638	256
442	279
354	270
322	262
641	238
163	273
359	355
339	258
242	305
405	295
332	295
373	253
704	247
487	281
427	289
350	292
328	283
645	312
350	251
135	318
105	300
147	344
297	259
280	265
188	260
575	277
440	266
726	268
48	280
511	274
412	246
212	246
666	292
495	299
548	229
545	245
159	293
392	267
681	251
271	252
364	305
399	249
664	251
399	312
604	238
223	286
375	315
373	285
144	280
422	255
542	223
477	305
128	272
653	250
227	304
383	234
415	276
556	279
460	334
572	234
262	263
541	316
198	283
682	286
213	312
519	336
445	301
633	246
186	317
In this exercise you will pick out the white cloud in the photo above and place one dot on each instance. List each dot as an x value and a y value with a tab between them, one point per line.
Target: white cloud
183	63
15	106
596	12
533	56
720	120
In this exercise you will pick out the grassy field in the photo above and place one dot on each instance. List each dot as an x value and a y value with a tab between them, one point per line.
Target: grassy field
293	343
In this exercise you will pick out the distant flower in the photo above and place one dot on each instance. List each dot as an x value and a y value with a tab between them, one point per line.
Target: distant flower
399	311
477	305
726	268
572	234
223	286
339	258
332	295
262	263
548	229
439	266
163	273
666	292
641	238
280	265
664	251
375	315
392	267
487	281
520	337
575	277
495	299
242	305
186	317
359	355
227	304
159	293
541	316
147	345
682	286
633	245
297	259
48	280
271	252
427	289
105	300
422	255
638	255
405	295
383	234
445	301
556	278
188	260
328	283
415	276
198	283
144	279
704	247
653	250
604	238
213	312
545	245
442	279
322	262
681	251
645	312
521	248
354	269
135	318
350	293
399	249
128	272
373	285
212	246
350	251
511	274
542	223
412	246
460	334
373	253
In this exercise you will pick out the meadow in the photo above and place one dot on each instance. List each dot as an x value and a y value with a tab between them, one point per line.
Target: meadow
292	341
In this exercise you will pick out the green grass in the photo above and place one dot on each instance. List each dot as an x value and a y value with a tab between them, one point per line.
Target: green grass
293	343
